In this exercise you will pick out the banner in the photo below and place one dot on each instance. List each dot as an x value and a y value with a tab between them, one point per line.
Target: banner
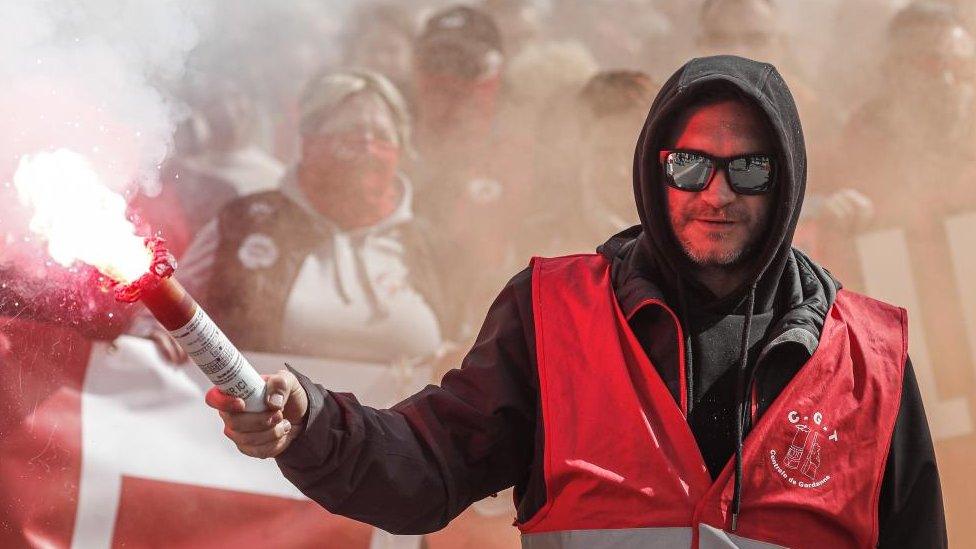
106	445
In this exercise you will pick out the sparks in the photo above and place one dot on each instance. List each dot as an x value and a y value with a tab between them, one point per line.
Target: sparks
80	218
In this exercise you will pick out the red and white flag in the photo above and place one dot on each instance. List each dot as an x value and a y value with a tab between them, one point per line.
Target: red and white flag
106	445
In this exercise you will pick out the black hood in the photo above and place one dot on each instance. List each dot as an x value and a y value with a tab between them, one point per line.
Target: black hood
660	253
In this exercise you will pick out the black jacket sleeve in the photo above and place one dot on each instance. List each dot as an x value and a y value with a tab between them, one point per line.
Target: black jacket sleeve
414	467
910	511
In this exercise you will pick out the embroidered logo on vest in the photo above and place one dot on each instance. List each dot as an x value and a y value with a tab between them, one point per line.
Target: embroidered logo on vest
802	461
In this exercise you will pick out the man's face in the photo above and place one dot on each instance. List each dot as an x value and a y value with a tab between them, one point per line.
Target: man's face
716	226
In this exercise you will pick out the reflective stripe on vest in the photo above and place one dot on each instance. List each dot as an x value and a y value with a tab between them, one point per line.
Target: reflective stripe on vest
641	538
622	464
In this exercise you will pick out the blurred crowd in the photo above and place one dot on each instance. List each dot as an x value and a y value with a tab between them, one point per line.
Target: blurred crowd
371	201
360	188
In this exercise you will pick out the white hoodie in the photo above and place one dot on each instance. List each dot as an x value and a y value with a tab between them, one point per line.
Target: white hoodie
352	298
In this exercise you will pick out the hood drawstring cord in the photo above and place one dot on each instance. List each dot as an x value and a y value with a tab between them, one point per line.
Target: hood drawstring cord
348	248
379	311
740	405
689	353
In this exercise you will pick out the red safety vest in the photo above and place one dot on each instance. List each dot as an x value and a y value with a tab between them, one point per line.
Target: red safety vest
622	467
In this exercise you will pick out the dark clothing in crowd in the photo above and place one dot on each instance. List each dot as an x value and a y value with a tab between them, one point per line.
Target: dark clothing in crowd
416	466
178	211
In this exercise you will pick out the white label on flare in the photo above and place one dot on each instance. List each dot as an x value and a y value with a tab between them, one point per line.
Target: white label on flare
220	360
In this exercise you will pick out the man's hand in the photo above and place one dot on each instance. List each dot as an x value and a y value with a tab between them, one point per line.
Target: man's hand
264	434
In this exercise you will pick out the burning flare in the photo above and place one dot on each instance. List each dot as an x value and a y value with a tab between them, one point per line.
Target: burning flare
80	218
83	220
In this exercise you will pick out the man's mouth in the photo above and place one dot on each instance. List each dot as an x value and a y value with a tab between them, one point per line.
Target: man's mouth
715	221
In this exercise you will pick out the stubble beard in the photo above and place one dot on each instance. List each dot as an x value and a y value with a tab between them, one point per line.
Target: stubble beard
708	259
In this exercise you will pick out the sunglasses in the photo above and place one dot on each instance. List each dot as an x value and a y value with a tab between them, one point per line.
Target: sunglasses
693	171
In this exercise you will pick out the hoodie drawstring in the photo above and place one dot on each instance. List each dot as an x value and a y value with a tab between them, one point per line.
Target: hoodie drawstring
379	311
689	354
346	249
740	406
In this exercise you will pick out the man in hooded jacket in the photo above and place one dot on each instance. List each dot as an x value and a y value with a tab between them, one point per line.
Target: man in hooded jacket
635	397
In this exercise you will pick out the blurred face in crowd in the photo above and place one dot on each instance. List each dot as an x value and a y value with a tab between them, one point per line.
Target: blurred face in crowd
348	166
385	50
613	30
716	226
229	121
607	163
457	92
933	68
739	27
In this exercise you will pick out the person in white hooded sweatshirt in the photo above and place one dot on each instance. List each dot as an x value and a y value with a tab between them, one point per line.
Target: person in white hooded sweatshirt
333	264
321	267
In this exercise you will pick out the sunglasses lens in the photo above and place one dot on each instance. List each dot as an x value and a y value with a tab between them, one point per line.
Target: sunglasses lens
751	174
687	171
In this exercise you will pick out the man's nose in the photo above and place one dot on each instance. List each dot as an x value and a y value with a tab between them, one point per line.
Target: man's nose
718	194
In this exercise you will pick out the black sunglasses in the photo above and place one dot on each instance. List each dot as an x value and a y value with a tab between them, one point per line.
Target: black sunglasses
693	171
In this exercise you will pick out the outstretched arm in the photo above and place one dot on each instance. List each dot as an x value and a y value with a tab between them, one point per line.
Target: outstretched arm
412	468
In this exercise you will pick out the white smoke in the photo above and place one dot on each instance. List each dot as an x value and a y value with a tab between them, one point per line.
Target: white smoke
86	75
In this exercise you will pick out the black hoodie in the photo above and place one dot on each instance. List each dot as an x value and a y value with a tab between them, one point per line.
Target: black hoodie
413	468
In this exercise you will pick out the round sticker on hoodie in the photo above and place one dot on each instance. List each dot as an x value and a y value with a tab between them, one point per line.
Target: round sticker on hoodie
258	251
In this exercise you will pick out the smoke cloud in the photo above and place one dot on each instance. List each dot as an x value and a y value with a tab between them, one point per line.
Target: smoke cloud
86	76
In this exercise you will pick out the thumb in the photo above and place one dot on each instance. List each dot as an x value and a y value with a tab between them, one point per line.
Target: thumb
278	388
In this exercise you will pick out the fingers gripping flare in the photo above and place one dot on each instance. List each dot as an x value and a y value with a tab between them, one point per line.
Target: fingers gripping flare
219	400
264	434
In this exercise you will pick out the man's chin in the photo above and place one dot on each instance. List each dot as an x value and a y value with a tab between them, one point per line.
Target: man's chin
712	258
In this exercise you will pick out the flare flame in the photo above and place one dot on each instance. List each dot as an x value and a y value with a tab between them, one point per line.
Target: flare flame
78	216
